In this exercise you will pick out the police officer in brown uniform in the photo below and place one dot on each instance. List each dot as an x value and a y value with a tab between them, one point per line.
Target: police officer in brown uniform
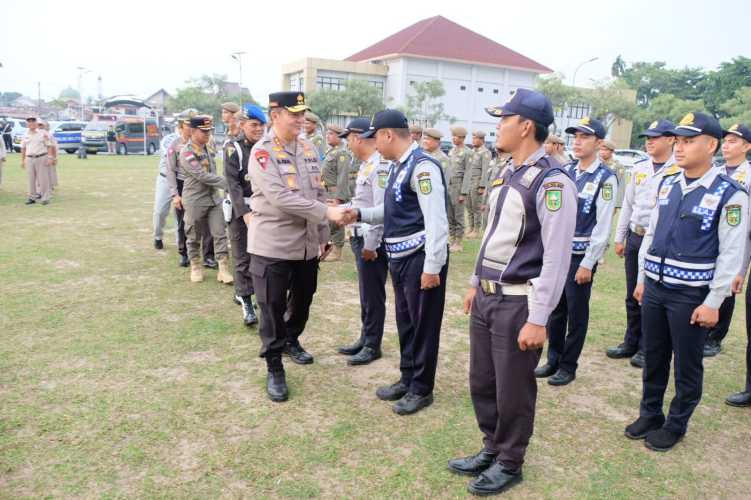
416	132
251	123
229	113
431	143
311	132
201	199
287	234
336	169
457	178
554	146
37	153
519	277
479	163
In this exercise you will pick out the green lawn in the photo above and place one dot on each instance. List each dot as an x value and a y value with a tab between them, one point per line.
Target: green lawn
119	378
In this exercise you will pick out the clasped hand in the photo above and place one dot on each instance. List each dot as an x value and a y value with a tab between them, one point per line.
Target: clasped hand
341	216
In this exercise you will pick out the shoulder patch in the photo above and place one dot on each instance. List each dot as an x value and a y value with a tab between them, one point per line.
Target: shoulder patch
733	214
262	157
554	197
426	187
423	174
607	192
529	176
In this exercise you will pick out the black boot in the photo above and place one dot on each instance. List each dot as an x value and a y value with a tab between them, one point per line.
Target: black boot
249	312
276	382
158	244
184	261
474	465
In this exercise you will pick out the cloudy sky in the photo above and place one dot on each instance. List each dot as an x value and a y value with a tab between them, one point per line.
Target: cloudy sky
138	47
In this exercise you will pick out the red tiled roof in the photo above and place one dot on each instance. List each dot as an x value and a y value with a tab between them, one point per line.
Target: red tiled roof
437	37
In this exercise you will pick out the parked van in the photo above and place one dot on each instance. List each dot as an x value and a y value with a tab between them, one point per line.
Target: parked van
130	136
68	135
94	136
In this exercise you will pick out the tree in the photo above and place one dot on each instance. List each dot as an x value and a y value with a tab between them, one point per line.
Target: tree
359	98
721	86
611	101
738	108
327	103
618	67
6	98
664	106
653	79
206	94
559	93
423	104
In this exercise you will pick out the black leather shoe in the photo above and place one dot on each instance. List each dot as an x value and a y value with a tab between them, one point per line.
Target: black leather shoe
365	356
712	348
184	261
643	426
249	312
276	386
210	263
298	354
351	349
662	440
739	399
561	377
29	202
545	370
158	244
412	403
494	480
474	465
392	392
620	352
637	360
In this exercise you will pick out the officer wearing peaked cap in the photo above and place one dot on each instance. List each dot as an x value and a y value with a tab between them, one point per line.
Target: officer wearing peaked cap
431	143
335	176
518	279
596	187
638	201
735	147
310	129
691	253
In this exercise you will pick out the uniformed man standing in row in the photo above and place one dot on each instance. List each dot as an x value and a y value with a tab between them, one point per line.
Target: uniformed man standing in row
416	132
201	199
457	177
288	233
162	191
607	152
232	129
37	153
497	164
251	121
431	143
638	201
735	148
312	134
367	244
554	146
416	241
692	252
596	186
518	279
336	167
479	162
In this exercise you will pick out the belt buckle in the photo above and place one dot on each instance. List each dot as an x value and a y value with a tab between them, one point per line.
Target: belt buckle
489	287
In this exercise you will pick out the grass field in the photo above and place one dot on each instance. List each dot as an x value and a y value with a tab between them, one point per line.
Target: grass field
120	379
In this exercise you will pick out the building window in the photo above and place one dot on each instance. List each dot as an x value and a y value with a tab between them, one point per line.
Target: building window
495	91
411	82
462	88
480	89
578	111
378	85
330	83
296	82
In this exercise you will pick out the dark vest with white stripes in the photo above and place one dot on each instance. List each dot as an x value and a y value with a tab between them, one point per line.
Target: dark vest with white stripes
403	222
586	214
686	244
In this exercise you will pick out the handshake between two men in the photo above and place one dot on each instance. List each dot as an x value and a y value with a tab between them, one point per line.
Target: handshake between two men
341	216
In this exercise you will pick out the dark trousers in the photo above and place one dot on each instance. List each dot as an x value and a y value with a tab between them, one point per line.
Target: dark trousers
572	314
419	314
748	338
633	337
238	235
666	315
8	142
207	242
284	291
371	276
501	377
720	330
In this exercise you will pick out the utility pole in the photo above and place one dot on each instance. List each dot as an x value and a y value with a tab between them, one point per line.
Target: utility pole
39	98
238	56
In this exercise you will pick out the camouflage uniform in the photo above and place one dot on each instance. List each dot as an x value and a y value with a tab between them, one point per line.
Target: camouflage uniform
458	187
478	173
335	177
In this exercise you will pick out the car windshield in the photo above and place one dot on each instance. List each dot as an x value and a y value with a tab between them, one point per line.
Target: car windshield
97	126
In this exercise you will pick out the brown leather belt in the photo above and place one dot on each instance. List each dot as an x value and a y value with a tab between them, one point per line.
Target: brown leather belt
37	156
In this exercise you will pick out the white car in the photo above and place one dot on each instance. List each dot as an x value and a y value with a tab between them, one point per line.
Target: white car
17	132
628	157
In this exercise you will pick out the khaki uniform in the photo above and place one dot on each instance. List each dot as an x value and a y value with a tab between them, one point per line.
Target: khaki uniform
478	172
494	171
621	174
458	186
335	176
318	142
201	199
36	146
441	157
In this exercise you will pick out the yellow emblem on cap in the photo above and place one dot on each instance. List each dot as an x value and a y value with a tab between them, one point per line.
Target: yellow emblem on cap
687	120
584	121
734	128
300	99
653	125
511	96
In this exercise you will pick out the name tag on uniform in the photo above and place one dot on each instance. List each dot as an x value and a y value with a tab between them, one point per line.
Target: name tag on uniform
589	190
710	202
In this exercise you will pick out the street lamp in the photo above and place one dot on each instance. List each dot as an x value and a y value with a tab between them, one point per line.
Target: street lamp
81	71
238	56
573	80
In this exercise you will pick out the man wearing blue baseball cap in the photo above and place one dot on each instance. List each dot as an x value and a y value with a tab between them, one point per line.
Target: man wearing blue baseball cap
251	121
415	233
638	201
692	252
597	186
735	147
518	279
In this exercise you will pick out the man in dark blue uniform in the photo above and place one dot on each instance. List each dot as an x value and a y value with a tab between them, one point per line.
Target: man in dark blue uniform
416	238
519	276
597	186
691	253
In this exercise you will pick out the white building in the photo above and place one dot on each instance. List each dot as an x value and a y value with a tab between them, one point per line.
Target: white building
476	72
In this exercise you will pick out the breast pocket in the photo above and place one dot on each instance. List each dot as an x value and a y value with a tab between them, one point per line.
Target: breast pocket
289	176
